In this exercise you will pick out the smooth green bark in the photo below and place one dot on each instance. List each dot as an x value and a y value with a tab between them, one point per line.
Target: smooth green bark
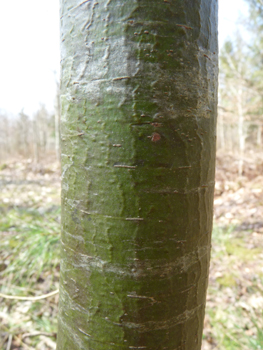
139	99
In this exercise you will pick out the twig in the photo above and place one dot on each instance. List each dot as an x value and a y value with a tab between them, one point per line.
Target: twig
35	334
9	343
14	297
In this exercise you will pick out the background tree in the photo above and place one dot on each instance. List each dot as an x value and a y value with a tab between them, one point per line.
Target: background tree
241	89
29	137
255	27
139	96
239	99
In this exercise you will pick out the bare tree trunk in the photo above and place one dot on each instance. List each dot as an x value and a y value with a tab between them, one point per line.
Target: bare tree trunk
241	132
138	124
57	124
259	135
221	133
36	141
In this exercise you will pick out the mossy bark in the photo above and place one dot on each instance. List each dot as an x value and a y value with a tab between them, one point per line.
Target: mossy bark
139	101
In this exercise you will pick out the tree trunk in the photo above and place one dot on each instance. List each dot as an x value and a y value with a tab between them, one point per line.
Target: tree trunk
221	131
259	135
241	133
57	123
36	139
139	101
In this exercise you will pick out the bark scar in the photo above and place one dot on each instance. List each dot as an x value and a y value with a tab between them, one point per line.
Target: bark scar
126	166
156	137
134	219
183	26
84	332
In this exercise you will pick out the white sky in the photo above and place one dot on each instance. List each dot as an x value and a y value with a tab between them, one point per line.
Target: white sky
29	42
229	13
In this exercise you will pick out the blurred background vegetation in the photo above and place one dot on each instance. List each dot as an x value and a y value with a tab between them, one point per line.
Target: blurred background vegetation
30	209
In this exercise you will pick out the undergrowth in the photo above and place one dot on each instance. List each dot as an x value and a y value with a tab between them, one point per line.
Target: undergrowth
29	253
234	304
29	244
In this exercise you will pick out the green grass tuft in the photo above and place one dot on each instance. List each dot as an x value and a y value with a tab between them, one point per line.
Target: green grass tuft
30	244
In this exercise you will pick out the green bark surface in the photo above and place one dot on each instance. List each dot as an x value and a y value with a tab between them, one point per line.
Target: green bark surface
139	100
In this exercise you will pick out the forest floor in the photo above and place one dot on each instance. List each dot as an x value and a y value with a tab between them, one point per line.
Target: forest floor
234	312
29	256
